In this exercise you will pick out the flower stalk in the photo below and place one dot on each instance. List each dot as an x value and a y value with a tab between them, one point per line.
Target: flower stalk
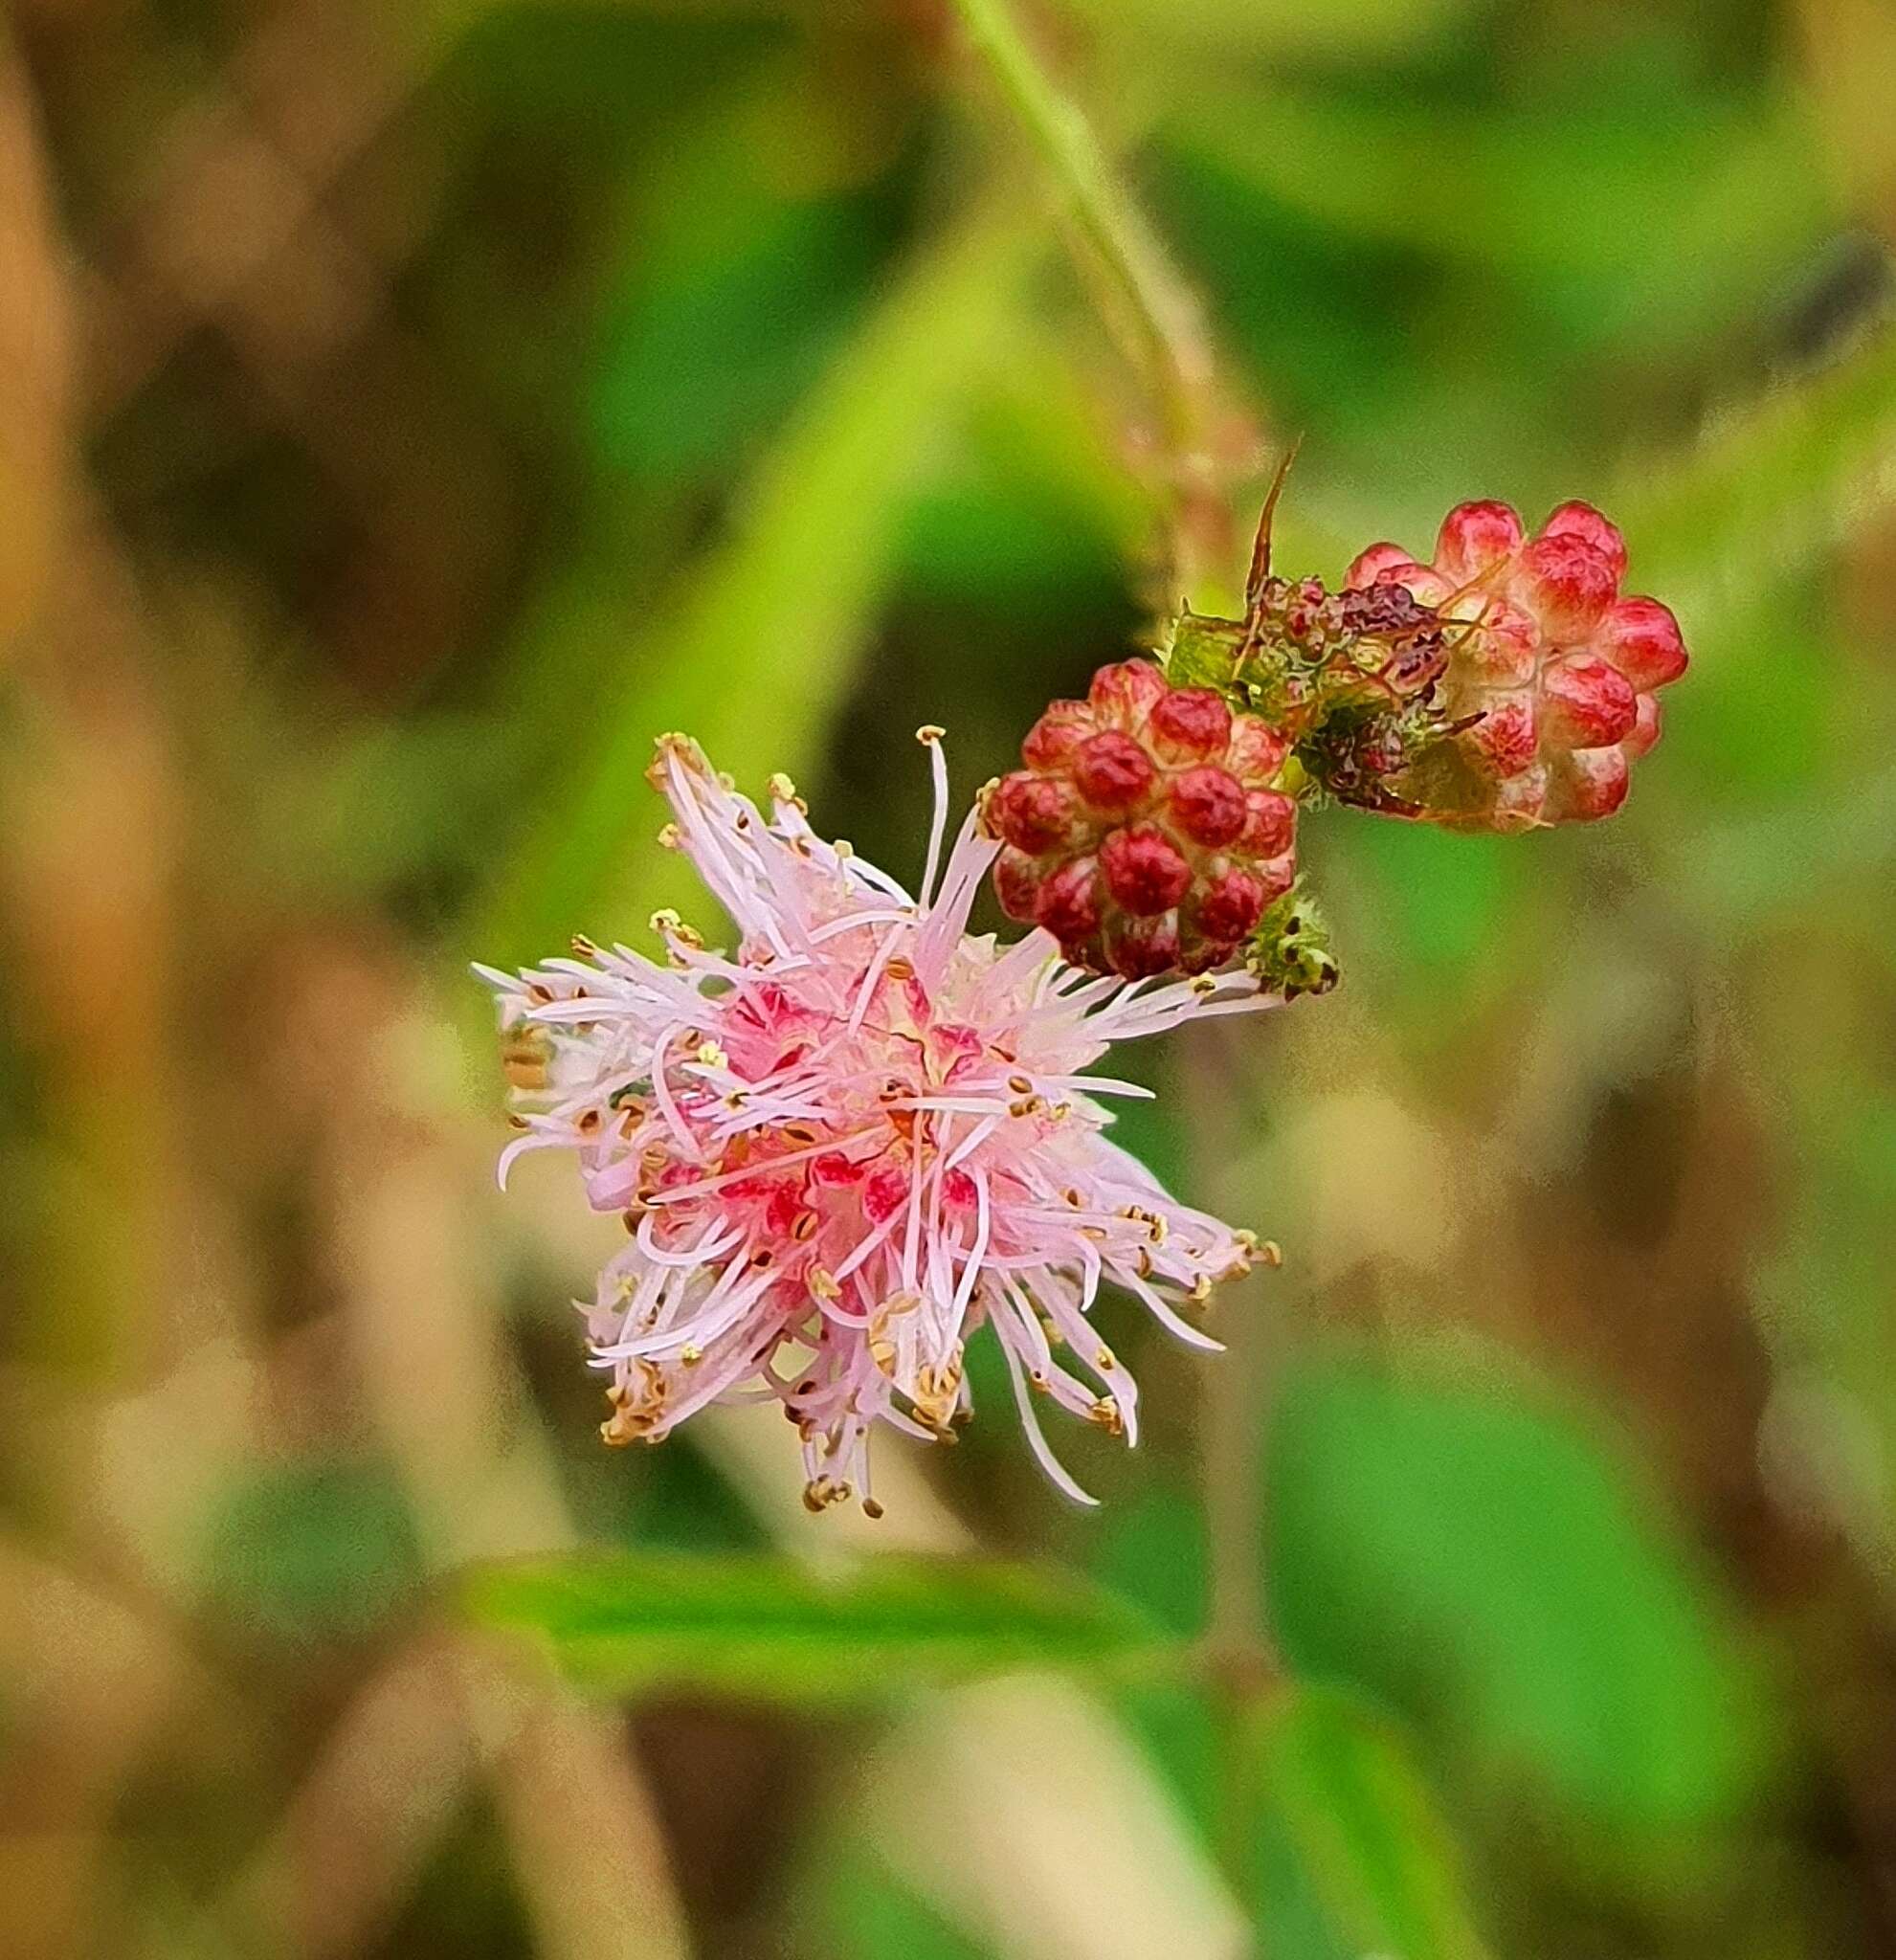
1150	304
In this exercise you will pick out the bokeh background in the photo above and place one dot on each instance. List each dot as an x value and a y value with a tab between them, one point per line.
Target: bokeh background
407	412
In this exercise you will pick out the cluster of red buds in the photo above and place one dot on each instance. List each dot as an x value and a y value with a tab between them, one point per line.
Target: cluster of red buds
1550	691
1504	684
1146	831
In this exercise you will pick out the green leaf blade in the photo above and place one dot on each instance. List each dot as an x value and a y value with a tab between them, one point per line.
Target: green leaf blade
1485	1563
777	1630
1362	1859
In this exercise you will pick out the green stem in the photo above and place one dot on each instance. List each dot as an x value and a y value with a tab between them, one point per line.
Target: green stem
1157	313
1241	1666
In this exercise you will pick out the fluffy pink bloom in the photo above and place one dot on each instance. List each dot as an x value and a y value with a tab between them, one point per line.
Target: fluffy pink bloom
1557	673
846	1147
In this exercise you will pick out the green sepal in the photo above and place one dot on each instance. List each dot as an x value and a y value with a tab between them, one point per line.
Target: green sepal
1266	675
1200	651
1289	951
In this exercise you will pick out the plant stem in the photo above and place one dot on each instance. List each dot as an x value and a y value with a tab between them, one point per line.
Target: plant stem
1158	315
1241	1666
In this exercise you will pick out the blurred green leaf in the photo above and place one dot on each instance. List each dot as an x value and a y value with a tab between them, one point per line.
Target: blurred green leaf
1150	1547
1355	1859
1772	486
315	1551
988	532
863	1911
739	335
382	803
1749	871
1763	714
775	1630
1438	901
1623	208
749	249
1474	1558
1153	1550
1327	29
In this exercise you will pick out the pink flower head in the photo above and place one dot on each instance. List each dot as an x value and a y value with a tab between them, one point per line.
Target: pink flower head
1555	674
844	1148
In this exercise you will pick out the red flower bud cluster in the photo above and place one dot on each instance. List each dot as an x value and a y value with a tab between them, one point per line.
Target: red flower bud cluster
1554	675
1143	831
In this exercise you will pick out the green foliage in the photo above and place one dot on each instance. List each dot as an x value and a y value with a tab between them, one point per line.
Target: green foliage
1354	1856
1606	211
1327	28
770	1629
1479	1560
1772	723
752	247
1151	1548
1772	486
1440	902
744	330
863	1911
304	1552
